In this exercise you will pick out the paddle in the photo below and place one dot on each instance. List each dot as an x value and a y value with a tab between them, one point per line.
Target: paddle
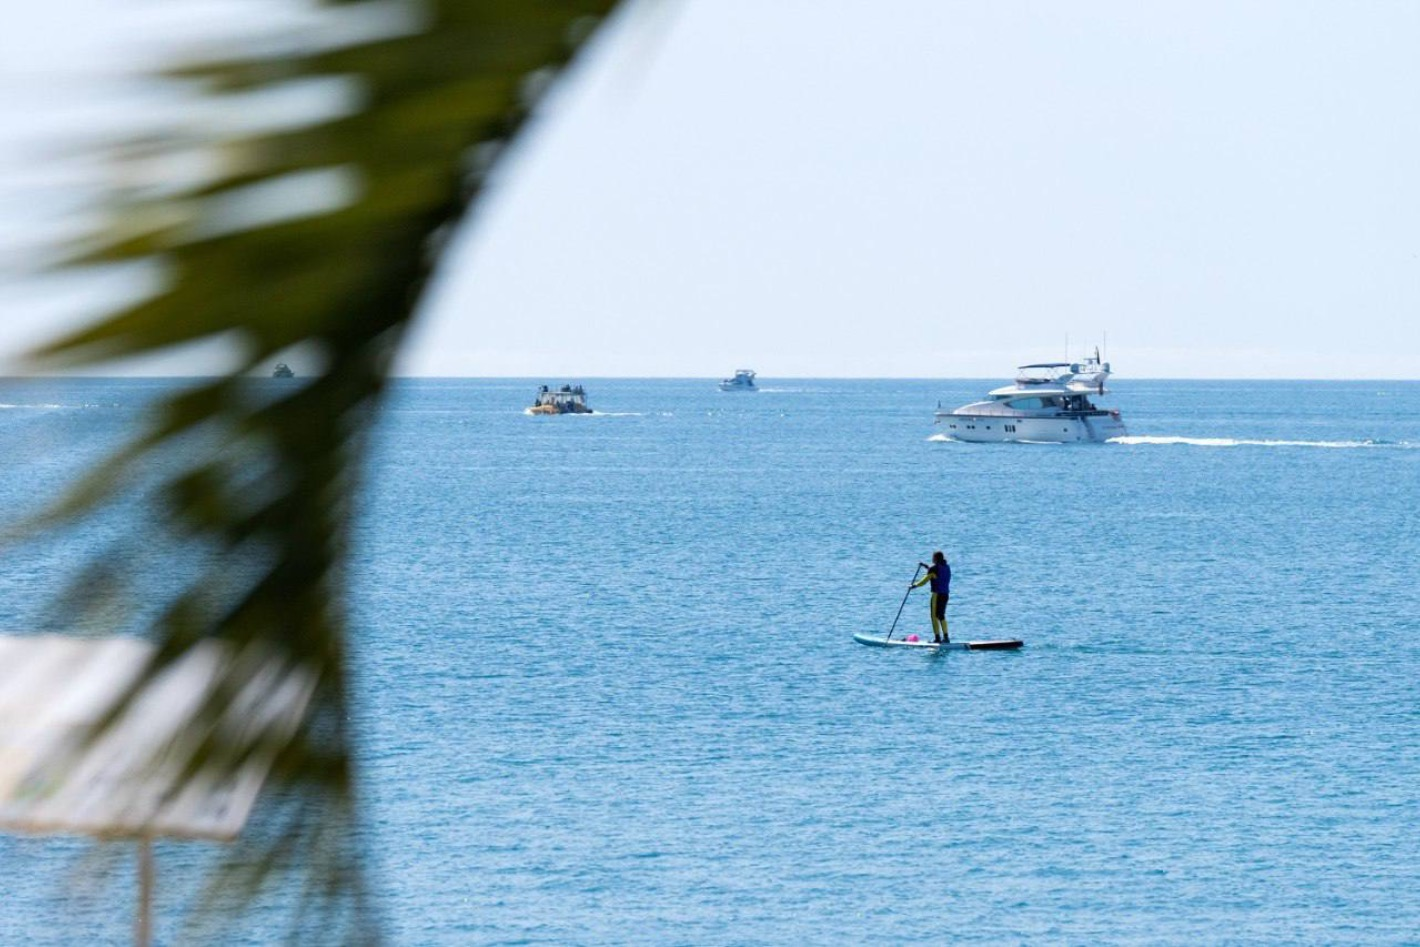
904	603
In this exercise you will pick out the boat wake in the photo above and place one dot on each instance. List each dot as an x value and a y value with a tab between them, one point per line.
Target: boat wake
1245	442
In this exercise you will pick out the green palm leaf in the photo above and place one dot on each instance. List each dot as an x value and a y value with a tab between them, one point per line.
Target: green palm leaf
318	232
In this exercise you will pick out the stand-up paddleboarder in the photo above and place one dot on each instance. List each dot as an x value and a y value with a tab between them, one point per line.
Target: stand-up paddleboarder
940	575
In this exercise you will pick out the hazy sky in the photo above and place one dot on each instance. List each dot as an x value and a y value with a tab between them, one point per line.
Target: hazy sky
927	188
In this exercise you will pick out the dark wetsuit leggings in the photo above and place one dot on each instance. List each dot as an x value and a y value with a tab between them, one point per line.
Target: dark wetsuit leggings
939	606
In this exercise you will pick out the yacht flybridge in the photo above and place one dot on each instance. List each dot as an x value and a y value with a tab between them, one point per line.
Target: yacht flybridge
1049	403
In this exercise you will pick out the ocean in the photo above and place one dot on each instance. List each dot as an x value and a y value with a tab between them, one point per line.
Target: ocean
608	691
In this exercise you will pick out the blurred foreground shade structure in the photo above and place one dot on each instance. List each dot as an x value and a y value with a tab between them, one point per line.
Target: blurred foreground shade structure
134	778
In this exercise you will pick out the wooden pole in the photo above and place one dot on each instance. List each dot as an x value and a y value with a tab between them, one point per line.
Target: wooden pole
143	927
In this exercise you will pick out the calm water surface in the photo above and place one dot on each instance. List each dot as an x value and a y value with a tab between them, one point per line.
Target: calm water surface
610	693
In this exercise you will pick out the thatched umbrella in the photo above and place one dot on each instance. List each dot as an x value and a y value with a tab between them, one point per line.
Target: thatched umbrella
84	753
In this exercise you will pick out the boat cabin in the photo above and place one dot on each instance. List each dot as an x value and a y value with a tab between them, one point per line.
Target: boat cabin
1059	400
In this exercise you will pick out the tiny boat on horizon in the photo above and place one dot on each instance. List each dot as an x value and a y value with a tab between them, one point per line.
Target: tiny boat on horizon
569	399
743	381
1049	403
282	370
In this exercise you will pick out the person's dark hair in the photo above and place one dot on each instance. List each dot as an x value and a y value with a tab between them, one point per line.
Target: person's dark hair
938	557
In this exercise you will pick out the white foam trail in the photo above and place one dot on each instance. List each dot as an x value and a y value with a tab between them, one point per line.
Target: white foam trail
1243	442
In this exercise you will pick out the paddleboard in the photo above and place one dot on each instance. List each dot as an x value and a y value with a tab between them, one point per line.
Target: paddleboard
1003	644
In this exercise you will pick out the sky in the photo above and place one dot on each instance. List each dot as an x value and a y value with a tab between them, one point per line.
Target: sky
924	188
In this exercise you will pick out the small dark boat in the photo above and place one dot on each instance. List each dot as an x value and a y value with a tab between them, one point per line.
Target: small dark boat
569	399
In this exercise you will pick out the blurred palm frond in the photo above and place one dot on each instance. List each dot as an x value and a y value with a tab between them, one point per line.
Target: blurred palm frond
298	204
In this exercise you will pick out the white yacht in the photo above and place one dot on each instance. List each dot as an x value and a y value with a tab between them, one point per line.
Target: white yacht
1049	403
743	381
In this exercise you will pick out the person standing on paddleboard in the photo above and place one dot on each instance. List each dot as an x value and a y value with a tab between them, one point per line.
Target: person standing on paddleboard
940	575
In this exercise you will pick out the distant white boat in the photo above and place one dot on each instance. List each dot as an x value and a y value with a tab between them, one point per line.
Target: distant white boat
1049	403
743	381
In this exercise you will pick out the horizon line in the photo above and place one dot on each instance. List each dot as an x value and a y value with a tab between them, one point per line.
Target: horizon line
761	377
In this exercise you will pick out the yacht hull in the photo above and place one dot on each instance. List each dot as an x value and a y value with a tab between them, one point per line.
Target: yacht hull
999	429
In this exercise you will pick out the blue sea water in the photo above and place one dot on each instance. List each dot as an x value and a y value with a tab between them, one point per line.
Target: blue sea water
609	693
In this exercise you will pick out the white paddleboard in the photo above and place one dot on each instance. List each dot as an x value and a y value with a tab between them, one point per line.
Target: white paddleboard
1002	644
